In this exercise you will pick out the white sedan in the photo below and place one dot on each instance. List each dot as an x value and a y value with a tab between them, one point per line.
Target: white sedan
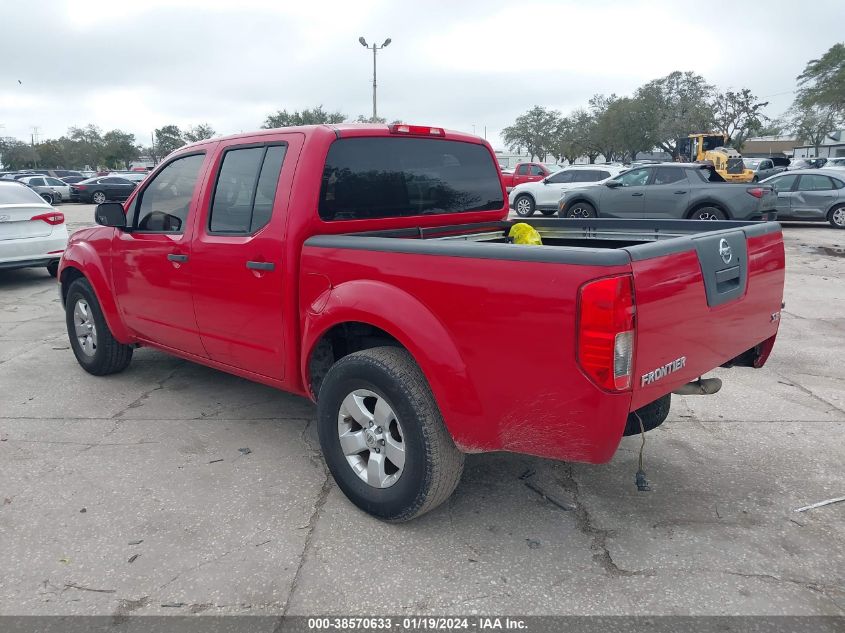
32	233
544	195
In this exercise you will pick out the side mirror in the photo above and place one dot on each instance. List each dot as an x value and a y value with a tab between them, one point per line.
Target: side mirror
612	184
110	214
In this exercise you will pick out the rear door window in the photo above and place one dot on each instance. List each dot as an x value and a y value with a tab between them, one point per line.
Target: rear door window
245	190
814	182
395	177
522	170
587	175
668	175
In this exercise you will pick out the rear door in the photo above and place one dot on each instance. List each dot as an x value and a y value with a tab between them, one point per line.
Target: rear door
237	256
668	194
626	200
702	301
813	196
521	174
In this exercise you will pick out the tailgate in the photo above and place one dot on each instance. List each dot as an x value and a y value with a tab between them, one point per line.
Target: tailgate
702	301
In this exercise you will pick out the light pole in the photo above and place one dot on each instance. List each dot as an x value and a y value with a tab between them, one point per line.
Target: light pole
375	48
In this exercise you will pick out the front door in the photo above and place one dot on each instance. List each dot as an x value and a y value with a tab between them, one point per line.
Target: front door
813	195
239	278
668	194
548	195
152	261
783	186
626	199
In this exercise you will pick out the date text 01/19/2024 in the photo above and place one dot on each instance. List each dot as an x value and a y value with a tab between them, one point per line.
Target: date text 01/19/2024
422	623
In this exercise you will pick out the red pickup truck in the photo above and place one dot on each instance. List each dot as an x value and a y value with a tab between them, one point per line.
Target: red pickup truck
369	268
524	172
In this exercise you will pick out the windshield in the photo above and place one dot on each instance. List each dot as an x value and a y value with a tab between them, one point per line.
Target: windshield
394	177
753	163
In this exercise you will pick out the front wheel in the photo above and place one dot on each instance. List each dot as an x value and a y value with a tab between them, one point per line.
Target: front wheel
836	217
98	197
708	213
524	206
383	437
47	197
96	350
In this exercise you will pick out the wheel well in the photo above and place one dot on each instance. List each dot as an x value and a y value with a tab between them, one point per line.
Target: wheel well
339	341
525	194
69	275
715	205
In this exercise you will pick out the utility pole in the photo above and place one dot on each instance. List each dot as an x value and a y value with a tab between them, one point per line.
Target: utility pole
375	48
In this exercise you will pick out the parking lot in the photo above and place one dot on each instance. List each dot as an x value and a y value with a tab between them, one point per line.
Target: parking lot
174	488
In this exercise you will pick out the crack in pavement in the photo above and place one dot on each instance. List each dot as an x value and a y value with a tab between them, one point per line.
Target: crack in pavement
139	401
793	383
315	456
585	524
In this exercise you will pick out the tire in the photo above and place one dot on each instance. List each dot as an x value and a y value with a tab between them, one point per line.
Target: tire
581	210
98	197
53	268
387	379
101	354
548	212
47	197
708	213
524	206
652	415
836	217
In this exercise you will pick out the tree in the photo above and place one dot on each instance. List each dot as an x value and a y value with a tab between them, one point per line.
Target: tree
85	145
812	124
678	107
603	134
368	119
16	154
822	84
737	115
119	149
168	139
536	131
199	132
315	116
632	125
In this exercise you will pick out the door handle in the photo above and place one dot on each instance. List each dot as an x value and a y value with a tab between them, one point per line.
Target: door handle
636	194
261	265
175	257
680	192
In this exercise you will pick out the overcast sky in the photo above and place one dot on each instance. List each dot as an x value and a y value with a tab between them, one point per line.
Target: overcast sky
141	64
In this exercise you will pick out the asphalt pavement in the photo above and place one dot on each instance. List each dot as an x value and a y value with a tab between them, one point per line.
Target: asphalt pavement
173	488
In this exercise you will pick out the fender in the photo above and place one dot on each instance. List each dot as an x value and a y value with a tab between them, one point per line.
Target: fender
84	257
417	329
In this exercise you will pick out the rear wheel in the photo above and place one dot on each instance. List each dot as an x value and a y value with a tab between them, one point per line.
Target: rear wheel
581	210
383	437
47	197
53	268
524	206
708	213
90	338
836	217
98	197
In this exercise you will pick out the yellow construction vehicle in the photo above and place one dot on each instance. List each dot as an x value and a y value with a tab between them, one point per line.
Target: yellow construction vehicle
711	148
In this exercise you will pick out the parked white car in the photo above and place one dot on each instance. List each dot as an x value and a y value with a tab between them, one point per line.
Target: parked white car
544	195
835	163
51	189
32	233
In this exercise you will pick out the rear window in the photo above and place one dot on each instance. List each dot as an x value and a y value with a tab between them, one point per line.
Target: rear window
19	194
396	177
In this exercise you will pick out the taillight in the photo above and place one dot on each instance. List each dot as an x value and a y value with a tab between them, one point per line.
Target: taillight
606	331
54	217
419	130
80	187
757	192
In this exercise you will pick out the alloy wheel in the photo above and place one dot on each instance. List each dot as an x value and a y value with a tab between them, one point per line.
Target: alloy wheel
86	329
371	438
838	217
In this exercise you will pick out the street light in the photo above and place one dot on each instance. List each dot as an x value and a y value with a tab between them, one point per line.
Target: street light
375	48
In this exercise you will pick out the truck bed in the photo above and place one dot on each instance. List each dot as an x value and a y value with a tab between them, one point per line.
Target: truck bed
694	312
